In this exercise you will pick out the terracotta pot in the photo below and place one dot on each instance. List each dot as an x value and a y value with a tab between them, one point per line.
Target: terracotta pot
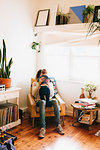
6	82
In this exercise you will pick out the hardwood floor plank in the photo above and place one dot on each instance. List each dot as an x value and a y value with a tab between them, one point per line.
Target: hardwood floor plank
75	138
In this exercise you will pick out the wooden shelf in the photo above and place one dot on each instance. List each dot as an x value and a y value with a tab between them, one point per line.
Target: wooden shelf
63	28
11	125
86	122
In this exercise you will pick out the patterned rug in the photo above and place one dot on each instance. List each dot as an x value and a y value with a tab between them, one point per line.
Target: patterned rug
97	133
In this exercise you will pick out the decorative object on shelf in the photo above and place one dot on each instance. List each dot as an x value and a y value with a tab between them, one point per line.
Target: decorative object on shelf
82	93
36	46
90	88
42	18
5	68
2	87
76	15
96	17
88	13
62	18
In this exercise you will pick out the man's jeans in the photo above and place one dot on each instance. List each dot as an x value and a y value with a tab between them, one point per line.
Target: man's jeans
51	103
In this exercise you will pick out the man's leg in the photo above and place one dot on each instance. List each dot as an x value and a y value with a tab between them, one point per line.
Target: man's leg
42	104
55	104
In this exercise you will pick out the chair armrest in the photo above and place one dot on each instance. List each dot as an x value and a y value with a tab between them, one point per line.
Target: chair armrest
59	99
31	105
62	105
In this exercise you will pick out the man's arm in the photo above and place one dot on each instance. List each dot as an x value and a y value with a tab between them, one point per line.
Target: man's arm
41	79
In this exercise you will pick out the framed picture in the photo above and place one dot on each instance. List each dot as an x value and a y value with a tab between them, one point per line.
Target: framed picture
42	18
96	17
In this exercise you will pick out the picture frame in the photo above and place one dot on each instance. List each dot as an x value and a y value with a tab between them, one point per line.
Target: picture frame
42	18
96	17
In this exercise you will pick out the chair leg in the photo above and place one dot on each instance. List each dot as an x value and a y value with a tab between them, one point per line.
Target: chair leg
33	122
63	120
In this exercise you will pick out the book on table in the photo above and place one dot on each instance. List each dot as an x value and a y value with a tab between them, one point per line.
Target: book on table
87	103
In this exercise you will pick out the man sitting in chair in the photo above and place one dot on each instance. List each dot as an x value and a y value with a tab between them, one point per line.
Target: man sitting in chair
42	104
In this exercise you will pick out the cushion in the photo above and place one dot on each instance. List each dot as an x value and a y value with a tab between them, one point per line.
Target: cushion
52	79
47	109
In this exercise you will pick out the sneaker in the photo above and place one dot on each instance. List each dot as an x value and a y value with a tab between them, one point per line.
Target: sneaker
60	130
42	133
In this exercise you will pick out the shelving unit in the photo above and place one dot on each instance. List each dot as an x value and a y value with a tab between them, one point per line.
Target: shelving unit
10	93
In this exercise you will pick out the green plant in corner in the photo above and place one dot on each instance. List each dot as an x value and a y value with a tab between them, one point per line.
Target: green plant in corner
36	46
4	67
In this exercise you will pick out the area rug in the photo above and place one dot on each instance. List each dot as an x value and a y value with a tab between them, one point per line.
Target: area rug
97	133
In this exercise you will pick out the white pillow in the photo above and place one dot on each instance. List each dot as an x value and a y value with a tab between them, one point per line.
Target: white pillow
35	88
50	85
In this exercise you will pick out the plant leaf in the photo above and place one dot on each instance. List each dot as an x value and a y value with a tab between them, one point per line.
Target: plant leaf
0	57
10	63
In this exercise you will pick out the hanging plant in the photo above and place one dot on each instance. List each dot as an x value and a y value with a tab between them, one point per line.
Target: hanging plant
36	46
94	25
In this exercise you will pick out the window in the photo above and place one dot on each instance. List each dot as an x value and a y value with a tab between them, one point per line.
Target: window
85	63
72	63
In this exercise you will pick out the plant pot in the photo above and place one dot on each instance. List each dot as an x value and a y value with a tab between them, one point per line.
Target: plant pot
85	20
6	82
61	20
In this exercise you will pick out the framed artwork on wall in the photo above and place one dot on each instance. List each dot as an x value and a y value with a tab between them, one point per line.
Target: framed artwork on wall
42	18
76	15
96	17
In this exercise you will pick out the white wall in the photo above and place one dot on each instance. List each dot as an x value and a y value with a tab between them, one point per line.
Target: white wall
69	91
17	18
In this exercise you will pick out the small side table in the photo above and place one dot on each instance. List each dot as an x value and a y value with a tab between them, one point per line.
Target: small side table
91	111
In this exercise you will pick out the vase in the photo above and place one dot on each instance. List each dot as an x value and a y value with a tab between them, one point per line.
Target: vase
90	95
82	93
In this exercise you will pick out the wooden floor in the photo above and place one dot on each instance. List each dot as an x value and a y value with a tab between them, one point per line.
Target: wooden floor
75	138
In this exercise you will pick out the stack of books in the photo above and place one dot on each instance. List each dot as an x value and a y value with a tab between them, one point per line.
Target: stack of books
87	103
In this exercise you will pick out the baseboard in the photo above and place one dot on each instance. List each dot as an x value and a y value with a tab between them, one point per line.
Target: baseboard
24	109
69	113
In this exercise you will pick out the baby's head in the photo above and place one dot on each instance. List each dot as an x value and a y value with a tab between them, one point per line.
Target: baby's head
44	72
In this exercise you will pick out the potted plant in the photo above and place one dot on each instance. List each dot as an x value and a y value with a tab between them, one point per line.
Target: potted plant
90	88
5	68
62	18
88	13
36	46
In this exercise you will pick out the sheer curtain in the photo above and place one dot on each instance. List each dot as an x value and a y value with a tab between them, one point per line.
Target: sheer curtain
72	63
